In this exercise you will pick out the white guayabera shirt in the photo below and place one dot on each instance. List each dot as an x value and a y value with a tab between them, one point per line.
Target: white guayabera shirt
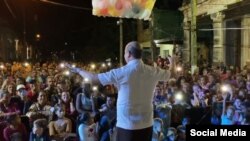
135	82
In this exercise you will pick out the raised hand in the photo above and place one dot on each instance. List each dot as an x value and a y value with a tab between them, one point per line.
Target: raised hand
72	69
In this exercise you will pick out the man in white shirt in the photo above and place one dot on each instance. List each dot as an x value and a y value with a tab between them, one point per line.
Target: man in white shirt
135	82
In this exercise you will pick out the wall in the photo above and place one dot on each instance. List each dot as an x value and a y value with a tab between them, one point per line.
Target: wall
164	48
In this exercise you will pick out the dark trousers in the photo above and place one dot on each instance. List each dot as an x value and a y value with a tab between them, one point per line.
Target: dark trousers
134	135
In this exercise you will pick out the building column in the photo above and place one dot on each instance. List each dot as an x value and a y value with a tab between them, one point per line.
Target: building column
218	48
186	41
245	42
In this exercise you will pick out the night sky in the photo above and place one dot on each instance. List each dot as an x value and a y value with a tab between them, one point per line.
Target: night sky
65	29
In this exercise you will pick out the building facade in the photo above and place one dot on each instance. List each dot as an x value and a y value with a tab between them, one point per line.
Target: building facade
162	33
223	26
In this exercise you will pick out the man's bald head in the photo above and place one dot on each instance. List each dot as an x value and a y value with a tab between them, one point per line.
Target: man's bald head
134	49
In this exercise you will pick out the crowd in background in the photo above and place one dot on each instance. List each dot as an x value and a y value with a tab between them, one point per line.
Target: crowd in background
44	101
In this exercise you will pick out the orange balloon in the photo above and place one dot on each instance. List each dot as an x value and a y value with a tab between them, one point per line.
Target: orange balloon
104	12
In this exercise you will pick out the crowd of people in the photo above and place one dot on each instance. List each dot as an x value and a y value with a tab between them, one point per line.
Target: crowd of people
43	102
218	95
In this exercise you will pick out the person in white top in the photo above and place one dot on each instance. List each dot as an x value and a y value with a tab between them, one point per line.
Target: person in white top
135	82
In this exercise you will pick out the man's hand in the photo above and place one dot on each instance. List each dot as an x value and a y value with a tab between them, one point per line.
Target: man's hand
72	69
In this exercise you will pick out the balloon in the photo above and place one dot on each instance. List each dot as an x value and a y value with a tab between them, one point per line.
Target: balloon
145	14
104	12
127	4
102	4
113	12
136	9
118	5
112	2
140	9
150	4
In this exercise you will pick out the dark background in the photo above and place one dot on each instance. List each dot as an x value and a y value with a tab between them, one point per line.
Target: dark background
65	30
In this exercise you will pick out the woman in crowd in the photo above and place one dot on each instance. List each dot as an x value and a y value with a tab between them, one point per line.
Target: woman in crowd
67	103
7	107
40	109
227	117
84	102
15	128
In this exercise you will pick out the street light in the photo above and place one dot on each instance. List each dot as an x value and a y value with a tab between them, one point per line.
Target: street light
38	36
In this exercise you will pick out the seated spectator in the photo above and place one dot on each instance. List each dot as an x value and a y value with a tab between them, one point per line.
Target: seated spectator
40	109
8	82
216	113
3	125
246	118
108	118
238	110
39	131
181	133
203	82
244	114
15	127
87	130
227	113
23	102
99	98
19	80
7	107
211	83
67	102
11	89
157	130
84	102
32	93
248	83
34	77
159	97
51	91
1	81
62	126
171	134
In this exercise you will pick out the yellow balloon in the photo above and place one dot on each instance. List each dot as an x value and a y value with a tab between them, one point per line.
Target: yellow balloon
150	4
112	11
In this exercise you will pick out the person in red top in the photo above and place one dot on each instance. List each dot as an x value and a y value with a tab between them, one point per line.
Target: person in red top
15	128
7	107
32	93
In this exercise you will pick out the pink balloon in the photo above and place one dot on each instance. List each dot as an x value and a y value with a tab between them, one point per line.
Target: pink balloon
102	4
127	4
118	5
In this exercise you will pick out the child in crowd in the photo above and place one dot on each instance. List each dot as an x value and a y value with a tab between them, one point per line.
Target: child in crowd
62	126
181	133
171	134
87	130
39	131
227	113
